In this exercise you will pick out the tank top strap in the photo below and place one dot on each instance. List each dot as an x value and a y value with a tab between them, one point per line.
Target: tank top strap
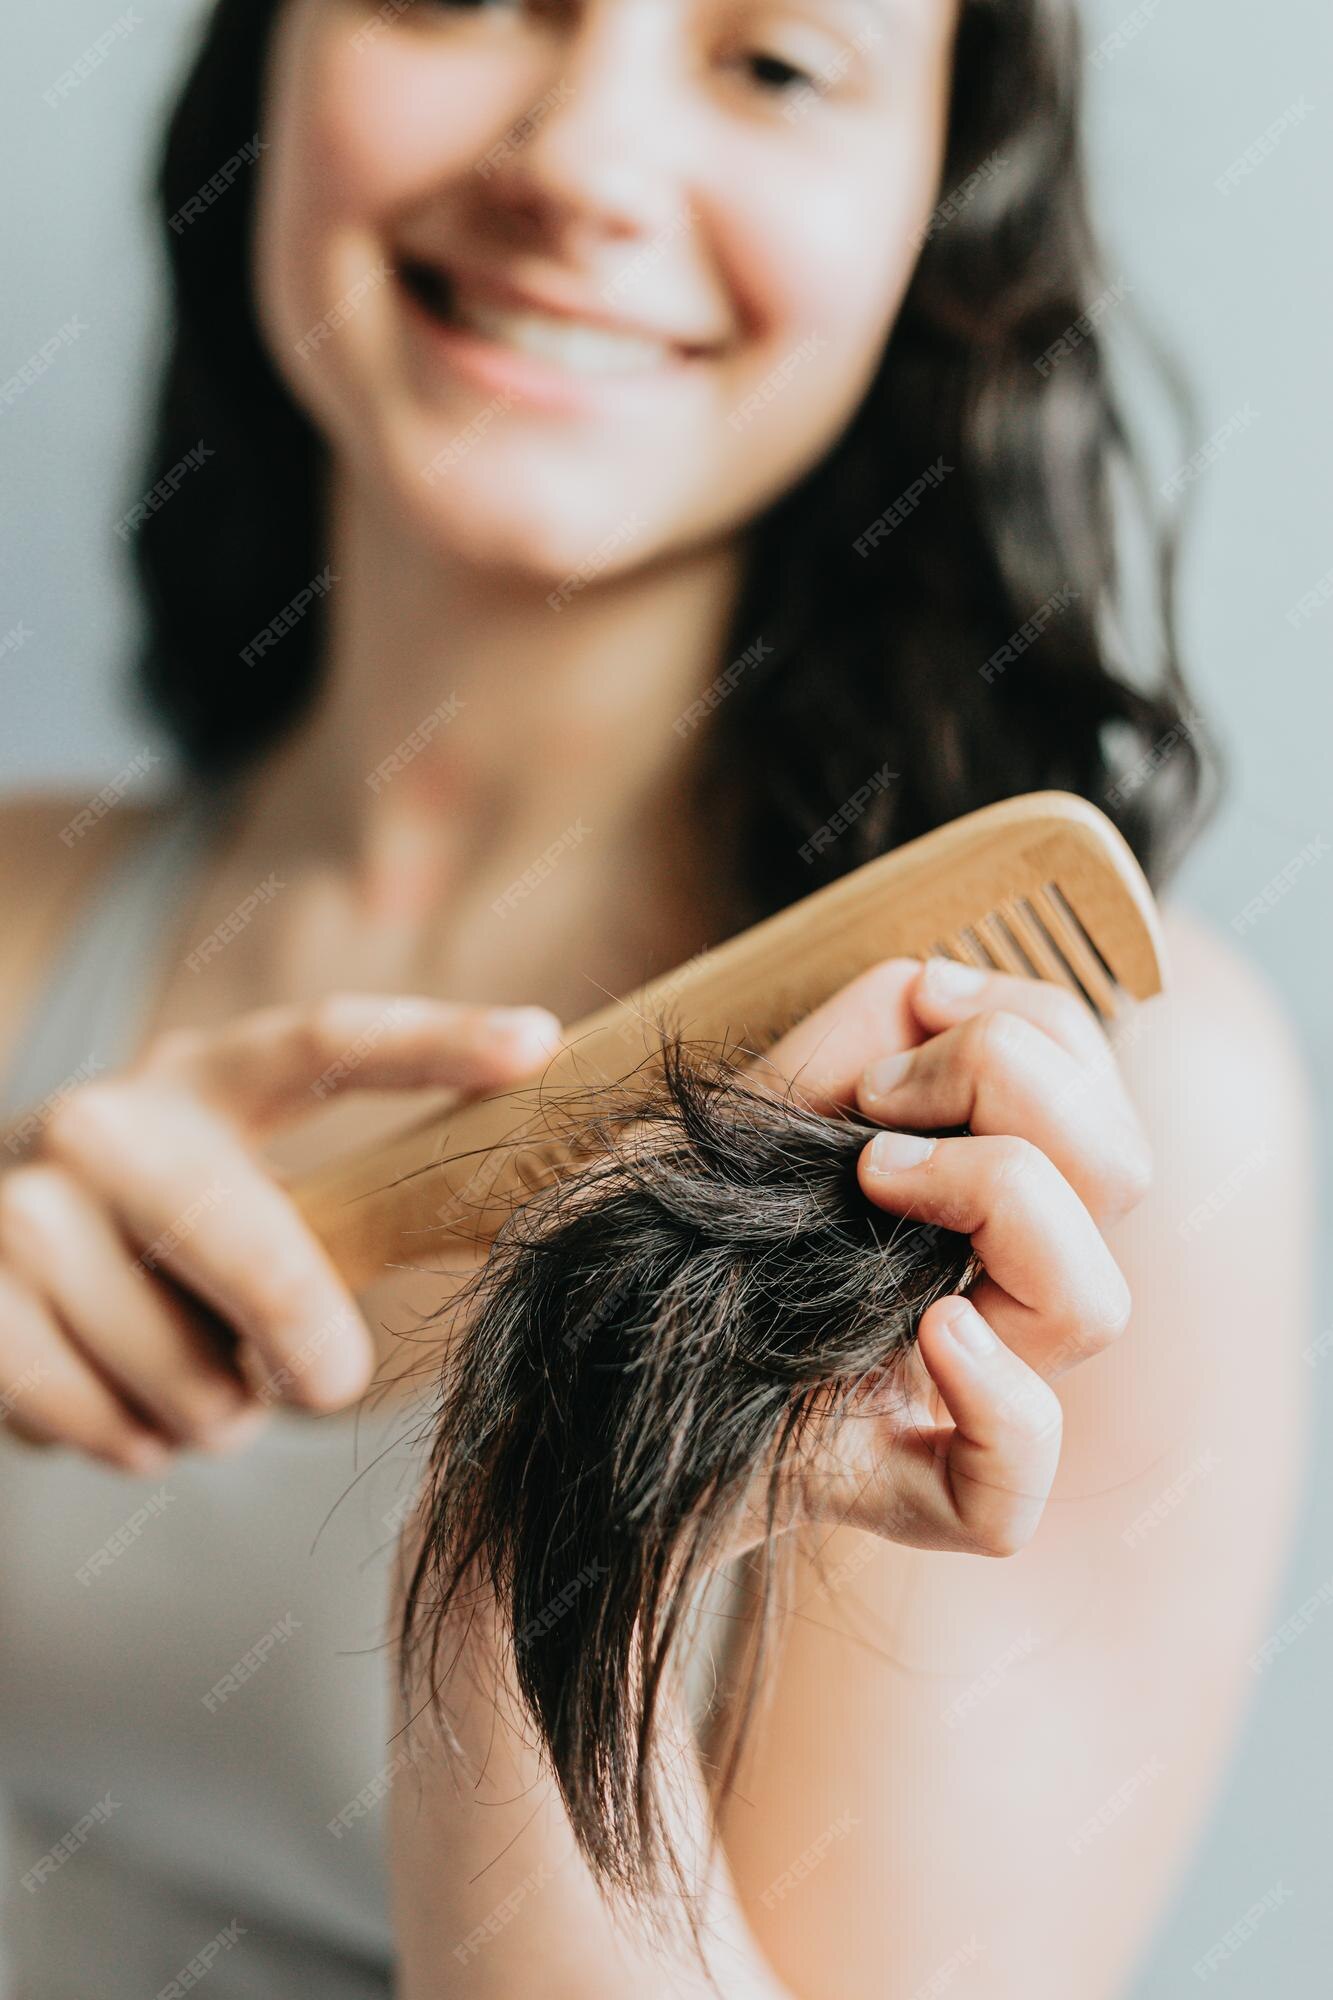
95	995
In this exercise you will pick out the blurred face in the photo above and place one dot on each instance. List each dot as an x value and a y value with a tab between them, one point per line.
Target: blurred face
580	282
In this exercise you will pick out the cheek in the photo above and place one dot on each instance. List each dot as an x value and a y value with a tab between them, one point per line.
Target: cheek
363	131
825	239
822	259
393	121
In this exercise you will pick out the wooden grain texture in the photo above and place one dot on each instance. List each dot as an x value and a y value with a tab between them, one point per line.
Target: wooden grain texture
977	889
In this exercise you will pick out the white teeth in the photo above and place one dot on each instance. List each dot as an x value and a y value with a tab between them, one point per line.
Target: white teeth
577	345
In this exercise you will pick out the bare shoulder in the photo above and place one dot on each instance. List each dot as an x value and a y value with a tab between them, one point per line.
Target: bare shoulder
1219	1254
1225	1088
1221	1020
52	841
52	847
53	828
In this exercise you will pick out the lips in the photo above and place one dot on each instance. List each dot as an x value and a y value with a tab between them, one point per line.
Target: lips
438	290
529	347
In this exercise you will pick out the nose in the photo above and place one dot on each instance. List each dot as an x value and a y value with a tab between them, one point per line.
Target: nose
593	158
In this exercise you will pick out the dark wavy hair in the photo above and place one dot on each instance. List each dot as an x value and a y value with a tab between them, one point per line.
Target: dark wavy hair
890	653
644	1377
869	659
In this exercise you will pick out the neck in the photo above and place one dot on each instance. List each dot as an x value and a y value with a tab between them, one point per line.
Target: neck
465	723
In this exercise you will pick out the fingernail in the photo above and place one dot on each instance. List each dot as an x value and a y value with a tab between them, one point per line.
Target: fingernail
890	1151
952	981
882	1077
970	1330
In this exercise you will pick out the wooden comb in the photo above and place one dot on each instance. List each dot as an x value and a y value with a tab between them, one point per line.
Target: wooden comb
1042	885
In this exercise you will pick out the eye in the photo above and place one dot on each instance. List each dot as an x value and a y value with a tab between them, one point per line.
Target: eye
775	73
460	6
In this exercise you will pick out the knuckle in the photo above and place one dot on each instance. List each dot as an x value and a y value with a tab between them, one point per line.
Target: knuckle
1095	1326
287	1030
1033	1413
883	984
30	1212
1102	1315
997	1038
1062	1015
1008	1536
1017	1163
471	1017
331	1022
174	1050
470	1026
1070	1350
1078	1339
304	1038
887	975
1069	1012
89	1122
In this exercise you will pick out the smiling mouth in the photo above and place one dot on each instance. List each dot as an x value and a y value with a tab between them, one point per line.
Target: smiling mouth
579	346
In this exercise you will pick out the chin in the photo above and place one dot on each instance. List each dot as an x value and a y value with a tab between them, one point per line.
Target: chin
501	504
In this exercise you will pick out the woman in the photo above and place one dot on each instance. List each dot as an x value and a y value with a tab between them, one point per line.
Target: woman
517	659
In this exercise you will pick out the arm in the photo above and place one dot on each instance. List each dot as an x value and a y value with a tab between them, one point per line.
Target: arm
1025	1752
982	1486
490	1899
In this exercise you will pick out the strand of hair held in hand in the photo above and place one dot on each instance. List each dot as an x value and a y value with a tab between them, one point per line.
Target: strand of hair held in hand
647	1336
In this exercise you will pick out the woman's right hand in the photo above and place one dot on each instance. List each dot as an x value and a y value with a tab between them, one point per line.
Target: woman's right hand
140	1215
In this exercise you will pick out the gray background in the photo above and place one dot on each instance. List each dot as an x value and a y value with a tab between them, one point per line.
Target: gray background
1239	282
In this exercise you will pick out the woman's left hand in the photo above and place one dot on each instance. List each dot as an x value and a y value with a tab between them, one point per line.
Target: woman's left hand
1054	1151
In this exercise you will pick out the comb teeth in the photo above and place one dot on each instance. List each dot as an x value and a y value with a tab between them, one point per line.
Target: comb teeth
1039	936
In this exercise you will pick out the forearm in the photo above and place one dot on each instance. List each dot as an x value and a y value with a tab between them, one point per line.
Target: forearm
491	1898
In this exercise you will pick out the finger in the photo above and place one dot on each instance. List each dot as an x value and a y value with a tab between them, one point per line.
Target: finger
998	1072
981	1487
822	1057
277	1062
181	1184
945	992
133	1329
49	1394
1055	1293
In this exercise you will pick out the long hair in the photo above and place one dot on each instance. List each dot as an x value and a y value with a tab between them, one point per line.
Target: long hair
944	622
873	656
